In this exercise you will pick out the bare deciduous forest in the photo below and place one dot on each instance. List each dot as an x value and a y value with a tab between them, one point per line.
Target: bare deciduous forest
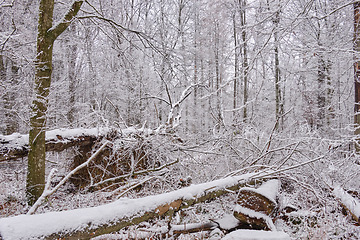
179	119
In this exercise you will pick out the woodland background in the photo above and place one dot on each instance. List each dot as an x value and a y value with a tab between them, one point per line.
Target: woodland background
236	84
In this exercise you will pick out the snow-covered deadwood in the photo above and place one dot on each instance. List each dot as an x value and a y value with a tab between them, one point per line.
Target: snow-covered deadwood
348	202
16	145
255	206
90	222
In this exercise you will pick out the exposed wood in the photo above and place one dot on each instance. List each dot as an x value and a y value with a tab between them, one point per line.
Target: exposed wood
256	201
255	206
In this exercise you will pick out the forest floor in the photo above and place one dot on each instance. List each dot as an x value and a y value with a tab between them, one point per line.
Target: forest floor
316	215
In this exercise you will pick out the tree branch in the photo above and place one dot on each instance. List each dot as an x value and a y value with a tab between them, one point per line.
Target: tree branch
60	27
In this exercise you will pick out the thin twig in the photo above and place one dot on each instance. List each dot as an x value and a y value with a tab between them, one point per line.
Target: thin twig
118	178
261	175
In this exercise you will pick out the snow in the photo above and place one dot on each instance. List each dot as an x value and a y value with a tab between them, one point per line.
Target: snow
254	214
36	226
350	203
228	222
256	235
268	189
186	226
19	141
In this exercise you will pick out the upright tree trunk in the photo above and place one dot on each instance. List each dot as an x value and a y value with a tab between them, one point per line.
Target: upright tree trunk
9	78
71	56
218	77
357	70
321	98
279	106
245	64
196	71
43	69
236	65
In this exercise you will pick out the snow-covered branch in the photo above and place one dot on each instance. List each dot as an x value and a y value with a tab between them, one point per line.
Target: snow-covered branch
61	26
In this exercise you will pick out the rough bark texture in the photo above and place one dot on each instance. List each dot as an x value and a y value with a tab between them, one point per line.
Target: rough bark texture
357	70
43	70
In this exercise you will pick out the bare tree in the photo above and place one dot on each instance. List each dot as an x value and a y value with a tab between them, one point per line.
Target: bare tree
47	34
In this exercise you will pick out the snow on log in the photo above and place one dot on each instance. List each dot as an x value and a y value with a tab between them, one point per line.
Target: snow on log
256	235
90	222
348	202
16	145
256	205
253	219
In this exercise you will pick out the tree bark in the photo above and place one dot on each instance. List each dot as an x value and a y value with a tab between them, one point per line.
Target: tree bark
279	106
245	64
47	34
357	71
236	64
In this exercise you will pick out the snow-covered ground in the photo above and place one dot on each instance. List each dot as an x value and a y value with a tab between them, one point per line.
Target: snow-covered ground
36	226
256	235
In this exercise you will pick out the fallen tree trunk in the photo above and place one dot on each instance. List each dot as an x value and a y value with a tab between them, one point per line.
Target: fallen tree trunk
91	222
17	145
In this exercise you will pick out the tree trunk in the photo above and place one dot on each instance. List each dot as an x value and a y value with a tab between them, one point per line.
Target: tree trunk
43	69
279	106
357	70
245	64
71	56
236	65
219	114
